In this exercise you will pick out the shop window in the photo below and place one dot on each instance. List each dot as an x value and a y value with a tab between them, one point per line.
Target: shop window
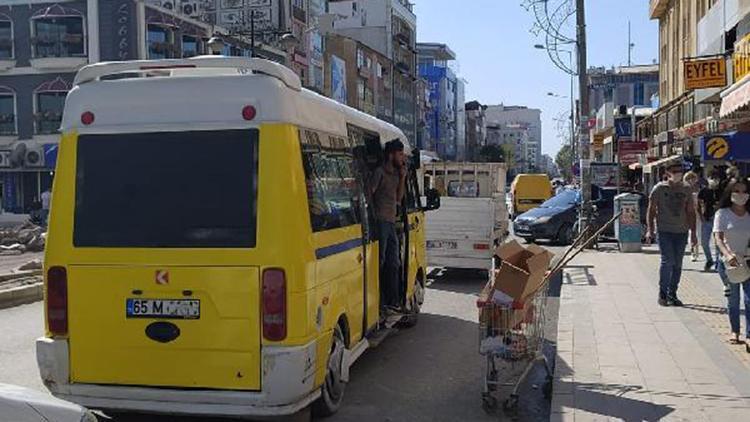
190	46
7	112
332	189
49	99
6	37
161	42
58	32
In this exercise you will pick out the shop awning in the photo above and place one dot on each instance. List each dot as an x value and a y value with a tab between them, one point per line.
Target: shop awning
661	163
735	97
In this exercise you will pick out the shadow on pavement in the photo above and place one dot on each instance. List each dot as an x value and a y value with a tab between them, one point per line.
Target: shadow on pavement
458	281
706	308
606	400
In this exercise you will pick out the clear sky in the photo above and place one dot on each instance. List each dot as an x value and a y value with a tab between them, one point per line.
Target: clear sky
495	50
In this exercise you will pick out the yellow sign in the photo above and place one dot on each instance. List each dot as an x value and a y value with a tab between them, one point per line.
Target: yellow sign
598	142
741	58
705	73
717	147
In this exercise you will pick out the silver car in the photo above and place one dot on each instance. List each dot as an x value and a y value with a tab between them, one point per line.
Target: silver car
19	404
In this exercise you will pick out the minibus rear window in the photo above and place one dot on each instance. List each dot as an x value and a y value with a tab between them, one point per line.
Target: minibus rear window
167	190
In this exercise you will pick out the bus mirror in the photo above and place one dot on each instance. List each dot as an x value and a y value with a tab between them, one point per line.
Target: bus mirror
433	200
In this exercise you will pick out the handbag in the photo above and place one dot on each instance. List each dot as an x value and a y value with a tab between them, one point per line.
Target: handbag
738	274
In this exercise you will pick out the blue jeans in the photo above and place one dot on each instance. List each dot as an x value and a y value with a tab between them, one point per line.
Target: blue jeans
733	302
672	248
707	228
390	263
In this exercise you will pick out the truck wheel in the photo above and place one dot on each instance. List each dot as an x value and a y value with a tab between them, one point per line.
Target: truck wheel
332	391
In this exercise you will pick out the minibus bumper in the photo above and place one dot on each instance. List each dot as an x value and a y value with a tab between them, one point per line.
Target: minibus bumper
288	387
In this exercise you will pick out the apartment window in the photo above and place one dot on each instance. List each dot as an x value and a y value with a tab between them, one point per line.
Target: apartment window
6	37
7	112
360	58
160	40
189	46
57	32
639	94
49	99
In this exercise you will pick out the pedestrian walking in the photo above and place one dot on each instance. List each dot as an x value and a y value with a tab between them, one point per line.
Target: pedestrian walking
46	200
672	214
708	200
732	233
691	179
388	185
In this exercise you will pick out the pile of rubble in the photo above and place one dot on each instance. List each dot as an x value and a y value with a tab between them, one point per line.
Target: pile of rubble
17	240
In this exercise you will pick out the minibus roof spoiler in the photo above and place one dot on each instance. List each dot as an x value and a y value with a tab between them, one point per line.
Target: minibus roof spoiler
242	64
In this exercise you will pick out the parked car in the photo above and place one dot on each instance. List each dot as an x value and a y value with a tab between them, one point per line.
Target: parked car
554	219
19	404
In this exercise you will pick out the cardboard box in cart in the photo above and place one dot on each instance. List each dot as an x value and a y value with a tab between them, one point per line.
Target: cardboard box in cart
503	318
521	271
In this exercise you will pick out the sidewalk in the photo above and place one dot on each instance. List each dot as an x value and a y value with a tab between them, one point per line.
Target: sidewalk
623	357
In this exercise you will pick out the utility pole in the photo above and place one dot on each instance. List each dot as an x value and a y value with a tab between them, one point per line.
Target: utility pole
583	131
630	45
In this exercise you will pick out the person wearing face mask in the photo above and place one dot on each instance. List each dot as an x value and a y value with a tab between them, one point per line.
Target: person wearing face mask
732	233
708	197
671	211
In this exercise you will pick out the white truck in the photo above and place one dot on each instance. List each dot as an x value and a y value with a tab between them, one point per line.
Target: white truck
473	215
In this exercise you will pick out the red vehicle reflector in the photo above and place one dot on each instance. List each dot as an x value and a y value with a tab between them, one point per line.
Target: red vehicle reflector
481	246
87	118
249	112
57	301
274	305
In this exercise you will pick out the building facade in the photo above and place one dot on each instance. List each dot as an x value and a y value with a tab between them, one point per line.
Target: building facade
388	27
442	122
691	116
623	85
44	43
514	138
521	117
358	76
476	129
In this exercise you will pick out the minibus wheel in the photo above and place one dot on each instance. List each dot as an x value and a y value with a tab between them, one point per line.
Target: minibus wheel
332	391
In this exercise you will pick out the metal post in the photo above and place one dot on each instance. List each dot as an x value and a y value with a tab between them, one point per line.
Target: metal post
583	142
252	32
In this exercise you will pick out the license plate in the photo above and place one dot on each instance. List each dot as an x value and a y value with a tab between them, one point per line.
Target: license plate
523	228
163	308
438	244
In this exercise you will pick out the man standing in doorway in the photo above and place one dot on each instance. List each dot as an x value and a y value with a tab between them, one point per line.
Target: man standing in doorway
671	210
387	190
46	199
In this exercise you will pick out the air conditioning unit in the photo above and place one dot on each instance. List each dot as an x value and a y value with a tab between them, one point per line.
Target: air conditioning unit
5	159
34	156
168	4
192	8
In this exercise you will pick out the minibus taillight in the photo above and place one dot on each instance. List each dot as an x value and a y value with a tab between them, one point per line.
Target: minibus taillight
274	305
57	301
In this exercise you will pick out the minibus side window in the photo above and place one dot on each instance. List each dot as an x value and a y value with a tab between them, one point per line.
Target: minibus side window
332	190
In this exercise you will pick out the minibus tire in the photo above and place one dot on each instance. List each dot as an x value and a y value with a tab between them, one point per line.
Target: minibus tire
412	318
332	391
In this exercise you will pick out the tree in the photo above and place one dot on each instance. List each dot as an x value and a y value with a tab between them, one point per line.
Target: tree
492	154
564	161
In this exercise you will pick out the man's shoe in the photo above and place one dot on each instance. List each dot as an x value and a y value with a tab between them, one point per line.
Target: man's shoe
673	301
708	267
663	302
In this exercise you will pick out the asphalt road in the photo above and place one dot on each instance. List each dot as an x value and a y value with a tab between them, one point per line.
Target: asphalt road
432	372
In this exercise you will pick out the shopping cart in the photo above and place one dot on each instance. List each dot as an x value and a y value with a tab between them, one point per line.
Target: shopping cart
511	336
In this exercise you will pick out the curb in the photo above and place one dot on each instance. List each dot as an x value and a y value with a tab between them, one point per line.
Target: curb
21	295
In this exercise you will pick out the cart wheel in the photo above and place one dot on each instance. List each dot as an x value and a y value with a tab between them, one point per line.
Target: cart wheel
489	403
547	387
511	403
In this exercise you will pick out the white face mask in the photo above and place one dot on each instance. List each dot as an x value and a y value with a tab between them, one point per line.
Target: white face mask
740	198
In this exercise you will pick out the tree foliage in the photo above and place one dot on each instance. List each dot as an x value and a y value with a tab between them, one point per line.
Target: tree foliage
564	161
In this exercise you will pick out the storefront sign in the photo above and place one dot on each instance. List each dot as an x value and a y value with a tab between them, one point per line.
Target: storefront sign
733	146
604	175
705	73
623	126
597	141
741	58
629	152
